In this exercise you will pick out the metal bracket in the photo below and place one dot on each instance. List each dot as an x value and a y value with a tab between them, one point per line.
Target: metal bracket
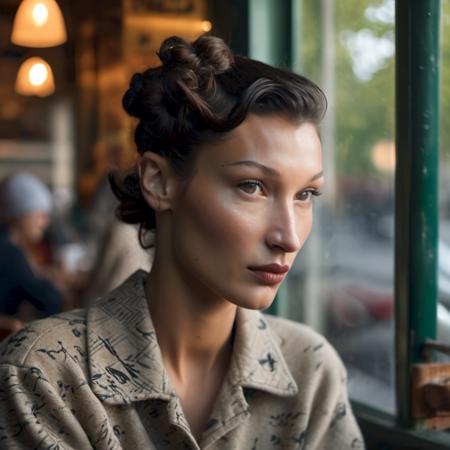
430	399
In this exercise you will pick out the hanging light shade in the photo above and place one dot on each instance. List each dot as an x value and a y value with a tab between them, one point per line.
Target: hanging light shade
39	23
35	77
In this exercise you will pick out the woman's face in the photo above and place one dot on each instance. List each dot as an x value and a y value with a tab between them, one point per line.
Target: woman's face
247	210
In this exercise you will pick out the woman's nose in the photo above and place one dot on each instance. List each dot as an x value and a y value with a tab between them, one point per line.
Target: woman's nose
283	230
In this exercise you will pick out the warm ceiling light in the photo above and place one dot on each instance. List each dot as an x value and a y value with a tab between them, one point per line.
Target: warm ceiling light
39	23
206	25
35	77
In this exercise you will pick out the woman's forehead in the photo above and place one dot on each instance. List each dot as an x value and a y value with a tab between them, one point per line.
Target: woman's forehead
271	139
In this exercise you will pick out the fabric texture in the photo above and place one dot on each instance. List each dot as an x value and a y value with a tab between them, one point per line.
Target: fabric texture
120	254
95	379
19	283
21	194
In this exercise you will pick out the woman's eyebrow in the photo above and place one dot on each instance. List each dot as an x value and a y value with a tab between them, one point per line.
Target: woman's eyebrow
268	170
317	176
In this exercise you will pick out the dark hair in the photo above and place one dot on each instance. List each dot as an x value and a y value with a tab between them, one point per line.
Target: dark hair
199	92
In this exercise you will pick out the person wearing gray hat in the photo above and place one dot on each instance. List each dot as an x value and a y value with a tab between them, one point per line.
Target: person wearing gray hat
25	206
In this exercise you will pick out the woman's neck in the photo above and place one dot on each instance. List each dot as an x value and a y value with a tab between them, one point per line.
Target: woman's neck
193	328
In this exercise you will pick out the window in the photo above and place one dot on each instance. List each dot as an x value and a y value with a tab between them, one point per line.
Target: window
369	277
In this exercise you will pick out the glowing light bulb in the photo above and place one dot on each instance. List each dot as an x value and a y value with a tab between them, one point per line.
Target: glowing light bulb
206	25
40	14
38	74
35	77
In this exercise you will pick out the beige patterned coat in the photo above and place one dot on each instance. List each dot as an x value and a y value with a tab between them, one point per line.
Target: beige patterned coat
94	379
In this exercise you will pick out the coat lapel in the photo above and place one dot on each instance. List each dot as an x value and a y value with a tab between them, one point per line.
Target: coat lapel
125	360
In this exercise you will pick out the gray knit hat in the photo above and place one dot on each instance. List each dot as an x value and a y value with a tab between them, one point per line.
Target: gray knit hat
21	194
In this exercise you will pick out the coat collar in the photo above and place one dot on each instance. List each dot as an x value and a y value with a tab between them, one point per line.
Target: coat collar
125	362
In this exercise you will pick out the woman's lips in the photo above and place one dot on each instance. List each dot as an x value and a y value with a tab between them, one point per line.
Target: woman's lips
270	273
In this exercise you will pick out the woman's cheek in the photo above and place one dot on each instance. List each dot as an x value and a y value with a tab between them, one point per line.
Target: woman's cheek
226	223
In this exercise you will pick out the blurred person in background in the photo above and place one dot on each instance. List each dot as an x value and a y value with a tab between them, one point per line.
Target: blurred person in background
25	206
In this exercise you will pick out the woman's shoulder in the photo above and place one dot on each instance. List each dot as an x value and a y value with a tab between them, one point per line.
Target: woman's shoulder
61	334
304	348
294	333
66	334
321	382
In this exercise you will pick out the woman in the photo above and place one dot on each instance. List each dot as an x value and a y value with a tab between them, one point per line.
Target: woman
180	358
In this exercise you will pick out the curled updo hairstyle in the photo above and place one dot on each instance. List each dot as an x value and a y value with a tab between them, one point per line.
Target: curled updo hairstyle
200	92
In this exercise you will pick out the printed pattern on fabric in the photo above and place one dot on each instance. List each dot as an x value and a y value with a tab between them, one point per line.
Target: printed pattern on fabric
94	379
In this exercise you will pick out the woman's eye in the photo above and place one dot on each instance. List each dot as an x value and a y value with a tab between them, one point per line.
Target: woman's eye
251	187
306	196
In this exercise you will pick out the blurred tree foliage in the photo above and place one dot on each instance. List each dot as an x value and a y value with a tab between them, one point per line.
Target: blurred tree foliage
365	98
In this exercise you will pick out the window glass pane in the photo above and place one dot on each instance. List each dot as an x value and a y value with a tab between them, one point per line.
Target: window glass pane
444	184
344	274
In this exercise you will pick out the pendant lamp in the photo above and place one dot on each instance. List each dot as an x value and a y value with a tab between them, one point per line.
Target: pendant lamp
35	77
39	23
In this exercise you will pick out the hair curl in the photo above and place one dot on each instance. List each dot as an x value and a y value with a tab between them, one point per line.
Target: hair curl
199	92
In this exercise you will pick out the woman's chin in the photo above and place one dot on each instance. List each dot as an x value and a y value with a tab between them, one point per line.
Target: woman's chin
256	303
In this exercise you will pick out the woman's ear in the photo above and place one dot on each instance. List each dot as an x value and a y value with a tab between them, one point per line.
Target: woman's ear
158	181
